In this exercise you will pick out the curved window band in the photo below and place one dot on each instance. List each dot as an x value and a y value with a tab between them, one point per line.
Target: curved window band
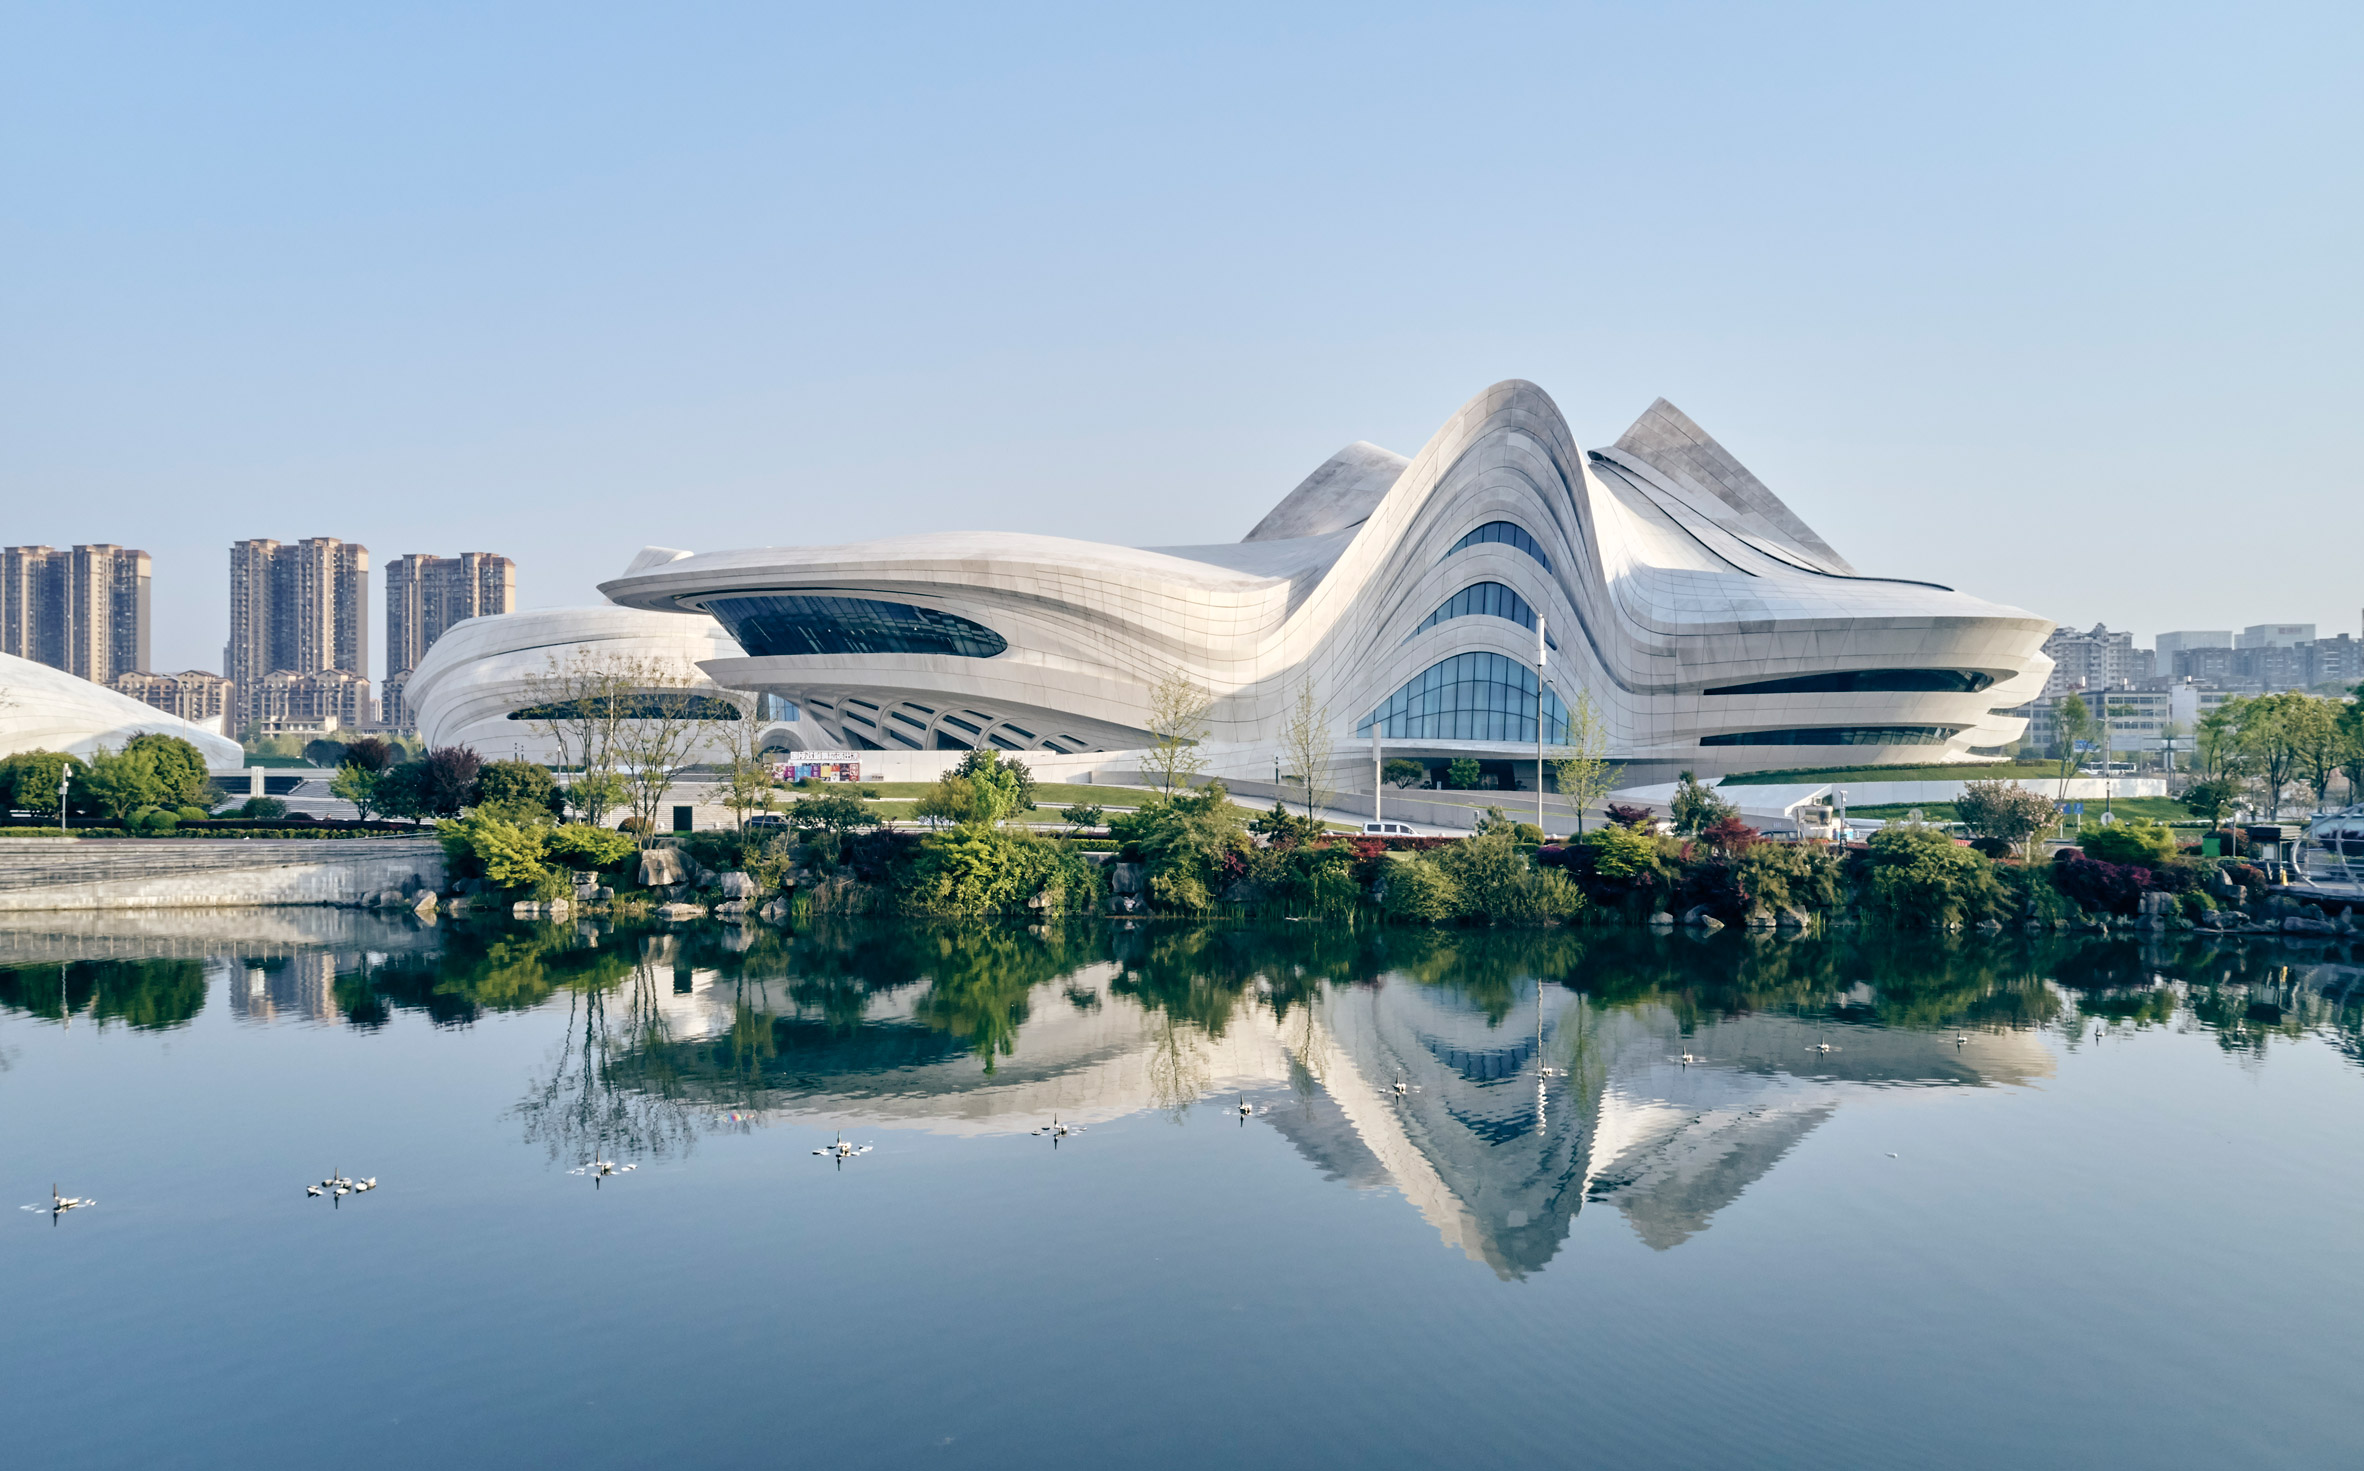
791	624
1840	735
1868	682
1508	533
1469	697
1487	599
635	707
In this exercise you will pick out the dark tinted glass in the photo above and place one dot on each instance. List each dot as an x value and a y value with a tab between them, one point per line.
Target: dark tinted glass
782	624
1868	682
1509	533
1483	599
1839	735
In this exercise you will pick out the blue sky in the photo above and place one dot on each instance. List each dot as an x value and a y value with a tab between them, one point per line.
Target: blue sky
2056	303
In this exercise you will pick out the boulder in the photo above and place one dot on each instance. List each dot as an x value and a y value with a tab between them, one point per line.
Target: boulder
1125	903
2158	902
730	909
1128	878
681	911
661	867
1761	919
735	885
424	903
1794	918
1990	927
1698	914
603	895
775	911
1661	920
2300	925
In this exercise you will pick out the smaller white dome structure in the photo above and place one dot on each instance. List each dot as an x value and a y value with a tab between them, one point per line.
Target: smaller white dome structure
45	709
484	670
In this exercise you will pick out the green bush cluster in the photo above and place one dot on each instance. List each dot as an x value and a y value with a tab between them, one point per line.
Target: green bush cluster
1489	878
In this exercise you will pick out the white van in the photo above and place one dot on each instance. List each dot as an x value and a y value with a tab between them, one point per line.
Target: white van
1388	830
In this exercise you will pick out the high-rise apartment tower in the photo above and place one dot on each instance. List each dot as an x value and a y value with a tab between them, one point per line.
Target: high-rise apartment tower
426	595
295	609
84	611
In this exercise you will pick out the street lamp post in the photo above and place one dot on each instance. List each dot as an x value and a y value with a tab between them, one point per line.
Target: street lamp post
65	774
1539	662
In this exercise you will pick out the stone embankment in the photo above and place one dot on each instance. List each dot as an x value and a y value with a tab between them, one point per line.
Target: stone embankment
67	874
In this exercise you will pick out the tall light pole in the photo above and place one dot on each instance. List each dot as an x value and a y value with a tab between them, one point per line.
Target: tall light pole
1539	662
65	774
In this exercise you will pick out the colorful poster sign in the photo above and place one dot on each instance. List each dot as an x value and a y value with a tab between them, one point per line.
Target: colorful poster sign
817	771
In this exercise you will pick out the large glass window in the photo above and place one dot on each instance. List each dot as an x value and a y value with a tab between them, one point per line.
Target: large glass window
1483	599
777	624
1469	697
1840	735
1509	533
1868	682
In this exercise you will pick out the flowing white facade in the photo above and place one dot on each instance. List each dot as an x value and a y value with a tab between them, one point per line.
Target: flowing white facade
476	682
45	709
1711	628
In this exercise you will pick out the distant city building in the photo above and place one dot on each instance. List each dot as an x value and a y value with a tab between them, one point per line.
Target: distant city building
2275	635
297	609
427	595
2335	661
318	699
84	611
195	695
2094	659
394	701
2217	664
2171	644
2141	721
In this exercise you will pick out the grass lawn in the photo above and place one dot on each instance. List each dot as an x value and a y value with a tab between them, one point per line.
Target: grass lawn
2157	809
1992	771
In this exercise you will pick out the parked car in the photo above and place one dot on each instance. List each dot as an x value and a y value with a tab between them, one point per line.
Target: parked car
1388	830
767	822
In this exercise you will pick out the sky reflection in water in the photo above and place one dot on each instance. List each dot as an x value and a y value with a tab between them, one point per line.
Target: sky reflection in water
2043	1202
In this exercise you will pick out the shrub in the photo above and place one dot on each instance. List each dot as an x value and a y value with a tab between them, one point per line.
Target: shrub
523	789
2137	840
975	870
191	814
1462	774
508	853
1697	808
2111	888
837	809
1919	876
2004	813
579	845
1403	772
1419	892
2030	893
1499	885
1625	815
1184	839
1622	852
270	807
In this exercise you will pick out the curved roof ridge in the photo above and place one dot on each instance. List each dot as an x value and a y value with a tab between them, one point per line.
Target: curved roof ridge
1339	494
1672	443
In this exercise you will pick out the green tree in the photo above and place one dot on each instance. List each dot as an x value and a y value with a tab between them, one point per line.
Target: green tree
2210	800
1462	774
2006	812
1696	808
177	767
1183	839
1401	772
2351	726
1083	815
358	785
2216	743
2076	726
521	790
122	782
836	810
29	779
2271	730
510	852
2318	742
1919	876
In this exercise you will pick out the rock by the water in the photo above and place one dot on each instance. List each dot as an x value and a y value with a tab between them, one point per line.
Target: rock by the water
660	867
736	885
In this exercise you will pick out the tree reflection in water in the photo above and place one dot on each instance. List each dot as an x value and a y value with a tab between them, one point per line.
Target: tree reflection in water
152	995
613	1091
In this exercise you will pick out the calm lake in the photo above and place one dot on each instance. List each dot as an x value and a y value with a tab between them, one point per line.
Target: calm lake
1915	1201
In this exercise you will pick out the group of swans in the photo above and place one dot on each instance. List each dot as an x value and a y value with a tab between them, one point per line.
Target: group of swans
1058	1130
339	1185
842	1150
602	1169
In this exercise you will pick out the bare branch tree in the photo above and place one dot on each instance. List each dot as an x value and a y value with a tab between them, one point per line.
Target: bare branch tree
1178	710
1581	767
580	705
747	782
1305	743
671	726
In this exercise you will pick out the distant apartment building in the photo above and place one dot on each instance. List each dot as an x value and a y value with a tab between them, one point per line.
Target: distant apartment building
84	610
296	610
2141	721
2263	666
285	702
2171	644
2095	659
195	695
2275	636
426	595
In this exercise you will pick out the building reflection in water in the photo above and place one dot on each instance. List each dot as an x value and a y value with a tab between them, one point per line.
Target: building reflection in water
1520	1100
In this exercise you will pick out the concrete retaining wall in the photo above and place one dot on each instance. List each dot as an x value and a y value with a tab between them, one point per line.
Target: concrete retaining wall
197	873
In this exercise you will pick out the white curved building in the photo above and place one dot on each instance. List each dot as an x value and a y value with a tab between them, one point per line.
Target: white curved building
477	684
45	709
1713	629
